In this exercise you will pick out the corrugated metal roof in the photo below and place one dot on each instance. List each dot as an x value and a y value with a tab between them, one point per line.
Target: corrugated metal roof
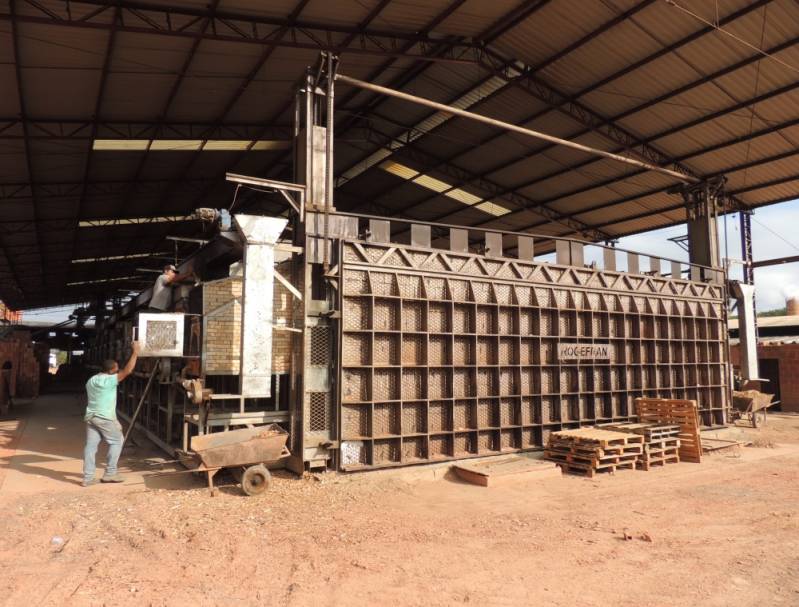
607	74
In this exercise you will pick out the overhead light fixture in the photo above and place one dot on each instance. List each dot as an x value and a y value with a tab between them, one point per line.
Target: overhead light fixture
100	223
444	188
190	145
102	280
117	257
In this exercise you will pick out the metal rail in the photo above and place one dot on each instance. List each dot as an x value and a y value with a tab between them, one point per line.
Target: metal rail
515	128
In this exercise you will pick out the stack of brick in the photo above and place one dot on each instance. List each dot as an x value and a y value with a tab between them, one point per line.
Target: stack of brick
8	314
221	337
284	305
20	367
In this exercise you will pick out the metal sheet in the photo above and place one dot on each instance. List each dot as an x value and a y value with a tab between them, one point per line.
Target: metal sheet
609	259
745	296
161	334
379	231
458	240
633	263
526	248
448	355
493	244
260	234
420	235
654	266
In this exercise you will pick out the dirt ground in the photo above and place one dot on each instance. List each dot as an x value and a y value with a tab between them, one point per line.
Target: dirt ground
724	532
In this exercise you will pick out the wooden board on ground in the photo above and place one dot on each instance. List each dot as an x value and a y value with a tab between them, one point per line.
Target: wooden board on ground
717	444
674	411
502	470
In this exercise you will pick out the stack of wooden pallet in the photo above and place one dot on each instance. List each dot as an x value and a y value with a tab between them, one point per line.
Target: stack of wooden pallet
589	450
682	413
661	442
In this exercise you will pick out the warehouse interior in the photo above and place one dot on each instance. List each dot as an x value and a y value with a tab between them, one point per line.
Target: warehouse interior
398	221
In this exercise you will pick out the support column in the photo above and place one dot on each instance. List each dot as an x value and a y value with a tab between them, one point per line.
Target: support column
703	201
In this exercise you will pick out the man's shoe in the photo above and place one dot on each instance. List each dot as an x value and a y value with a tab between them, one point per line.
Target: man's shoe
116	478
88	483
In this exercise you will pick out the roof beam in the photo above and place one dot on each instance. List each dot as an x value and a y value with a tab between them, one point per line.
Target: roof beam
11	128
493	190
729	142
414	71
483	90
230	26
515	17
360	30
162	116
98	104
522	78
607	124
727	171
483	97
28	160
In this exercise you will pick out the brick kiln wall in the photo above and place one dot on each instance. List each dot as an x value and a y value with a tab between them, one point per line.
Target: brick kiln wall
222	327
23	380
788	356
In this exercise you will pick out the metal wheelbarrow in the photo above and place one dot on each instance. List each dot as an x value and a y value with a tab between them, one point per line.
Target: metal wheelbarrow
246	452
751	405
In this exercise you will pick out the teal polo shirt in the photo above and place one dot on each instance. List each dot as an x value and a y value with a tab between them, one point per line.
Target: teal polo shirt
101	390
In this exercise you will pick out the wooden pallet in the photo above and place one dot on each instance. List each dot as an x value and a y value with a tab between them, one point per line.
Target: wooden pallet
594	450
645	463
562	456
676	412
589	471
588	450
650	431
598	436
664	443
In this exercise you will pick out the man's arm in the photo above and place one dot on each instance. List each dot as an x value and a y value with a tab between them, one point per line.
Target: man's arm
182	277
128	368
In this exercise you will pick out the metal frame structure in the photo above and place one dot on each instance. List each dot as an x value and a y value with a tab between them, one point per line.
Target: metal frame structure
448	354
422	341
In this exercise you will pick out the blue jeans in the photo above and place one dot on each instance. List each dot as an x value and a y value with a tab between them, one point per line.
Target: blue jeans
98	429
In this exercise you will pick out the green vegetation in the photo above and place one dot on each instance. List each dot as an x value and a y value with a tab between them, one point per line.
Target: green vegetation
777	312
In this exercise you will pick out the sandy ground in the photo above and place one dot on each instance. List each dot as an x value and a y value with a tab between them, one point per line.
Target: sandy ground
724	532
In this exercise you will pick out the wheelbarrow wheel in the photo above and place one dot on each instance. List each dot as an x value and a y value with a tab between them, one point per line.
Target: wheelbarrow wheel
255	480
758	418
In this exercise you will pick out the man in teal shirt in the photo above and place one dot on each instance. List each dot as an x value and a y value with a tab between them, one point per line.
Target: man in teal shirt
101	418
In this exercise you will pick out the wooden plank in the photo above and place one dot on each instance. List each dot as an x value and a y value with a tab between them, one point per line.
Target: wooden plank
504	469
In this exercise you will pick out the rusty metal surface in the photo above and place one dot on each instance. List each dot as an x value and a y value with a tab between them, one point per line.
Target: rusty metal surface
448	355
240	447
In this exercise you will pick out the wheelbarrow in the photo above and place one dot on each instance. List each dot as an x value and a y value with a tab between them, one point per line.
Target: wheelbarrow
751	405
245	452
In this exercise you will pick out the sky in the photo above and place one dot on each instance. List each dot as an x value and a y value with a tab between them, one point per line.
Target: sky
775	233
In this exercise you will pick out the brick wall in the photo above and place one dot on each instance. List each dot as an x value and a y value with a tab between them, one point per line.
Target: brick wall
23	378
222	327
284	304
788	357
